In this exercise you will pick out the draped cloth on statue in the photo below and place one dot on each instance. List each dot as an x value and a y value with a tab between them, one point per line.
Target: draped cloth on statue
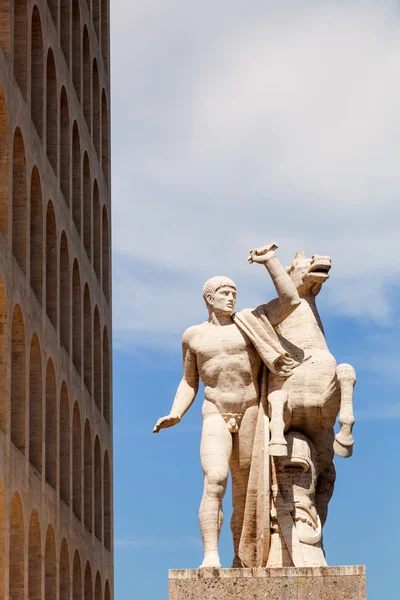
255	537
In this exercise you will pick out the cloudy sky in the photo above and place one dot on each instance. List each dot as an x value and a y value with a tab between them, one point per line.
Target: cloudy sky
235	123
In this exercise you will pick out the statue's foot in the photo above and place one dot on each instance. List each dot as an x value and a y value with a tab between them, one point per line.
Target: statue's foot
343	446
237	563
211	560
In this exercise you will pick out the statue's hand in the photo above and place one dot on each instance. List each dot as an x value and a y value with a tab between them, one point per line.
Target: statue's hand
263	254
165	422
285	365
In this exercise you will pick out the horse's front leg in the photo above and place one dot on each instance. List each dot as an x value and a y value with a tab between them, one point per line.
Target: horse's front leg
280	414
346	378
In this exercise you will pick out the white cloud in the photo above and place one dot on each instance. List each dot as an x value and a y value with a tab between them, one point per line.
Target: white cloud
234	123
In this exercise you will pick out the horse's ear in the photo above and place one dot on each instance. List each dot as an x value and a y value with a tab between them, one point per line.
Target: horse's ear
289	269
300	255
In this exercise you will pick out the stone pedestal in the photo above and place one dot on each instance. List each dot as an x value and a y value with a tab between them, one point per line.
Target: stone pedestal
317	583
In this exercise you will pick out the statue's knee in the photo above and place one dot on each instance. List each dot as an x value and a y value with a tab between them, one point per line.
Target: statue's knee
345	372
215	489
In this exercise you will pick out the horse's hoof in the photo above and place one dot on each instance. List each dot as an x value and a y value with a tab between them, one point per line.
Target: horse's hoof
278	449
344	450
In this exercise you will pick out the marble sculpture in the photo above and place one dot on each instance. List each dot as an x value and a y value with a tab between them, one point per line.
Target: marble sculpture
273	392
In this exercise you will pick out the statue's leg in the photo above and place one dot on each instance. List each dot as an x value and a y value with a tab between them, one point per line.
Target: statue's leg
240	468
344	440
280	415
323	441
215	453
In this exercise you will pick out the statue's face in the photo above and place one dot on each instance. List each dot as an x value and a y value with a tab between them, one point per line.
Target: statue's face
224	300
310	273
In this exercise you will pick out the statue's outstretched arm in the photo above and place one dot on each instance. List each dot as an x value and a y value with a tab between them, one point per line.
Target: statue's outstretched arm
187	389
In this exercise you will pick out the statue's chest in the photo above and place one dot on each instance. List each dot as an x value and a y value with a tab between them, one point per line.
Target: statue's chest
219	341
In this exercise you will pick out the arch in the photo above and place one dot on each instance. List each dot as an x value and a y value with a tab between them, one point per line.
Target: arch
88	477
106	256
21	45
37	72
2	542
18	368
3	160
17	546
35	404
65	302
105	148
76	47
53	7
104	31
107	501
51	110
5	26
98	513
96	231
96	108
65	28
50	566
76	317
77	578
34	558
3	361
51	425
87	206
36	235
76	178
65	581
88	582
86	77
97	589
106	377
77	462
64	146
65	445
87	339
107	593
51	264
19	200
97	358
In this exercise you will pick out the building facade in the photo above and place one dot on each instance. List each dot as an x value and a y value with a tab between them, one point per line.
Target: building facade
56	516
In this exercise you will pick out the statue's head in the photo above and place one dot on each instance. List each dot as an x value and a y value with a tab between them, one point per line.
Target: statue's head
219	294
309	273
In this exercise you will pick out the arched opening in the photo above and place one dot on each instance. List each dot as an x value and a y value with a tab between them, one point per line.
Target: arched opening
18	367
77	578
17	545
65	444
64	146
88	583
51	110
87	339
5	26
76	178
97	589
107	593
107	502
34	559
3	160
104	31
21	44
35	404
96	18
3	362
76	317
98	513
65	580
65	29
77	462
51	425
19	200
96	231
106	256
53	7
106	377
76	47
86	77
105	150
97	358
51	264
88	477
50	566
2	542
87	206
37	72
65	302
36	238
96	108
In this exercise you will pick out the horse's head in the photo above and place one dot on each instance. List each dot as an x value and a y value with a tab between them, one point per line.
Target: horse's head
309	273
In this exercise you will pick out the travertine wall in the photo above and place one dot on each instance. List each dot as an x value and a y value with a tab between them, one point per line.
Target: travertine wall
55	288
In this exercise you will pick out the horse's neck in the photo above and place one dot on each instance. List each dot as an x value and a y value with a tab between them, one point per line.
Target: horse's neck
304	327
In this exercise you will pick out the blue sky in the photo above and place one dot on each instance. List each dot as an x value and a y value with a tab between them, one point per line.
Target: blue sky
235	123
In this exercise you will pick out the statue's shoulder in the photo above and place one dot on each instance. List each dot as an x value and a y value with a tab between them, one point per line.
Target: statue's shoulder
191	333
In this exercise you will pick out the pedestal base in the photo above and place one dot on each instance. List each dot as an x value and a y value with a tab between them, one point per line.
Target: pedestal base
322	583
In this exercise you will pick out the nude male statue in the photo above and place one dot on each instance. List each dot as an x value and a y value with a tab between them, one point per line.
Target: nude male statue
221	353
